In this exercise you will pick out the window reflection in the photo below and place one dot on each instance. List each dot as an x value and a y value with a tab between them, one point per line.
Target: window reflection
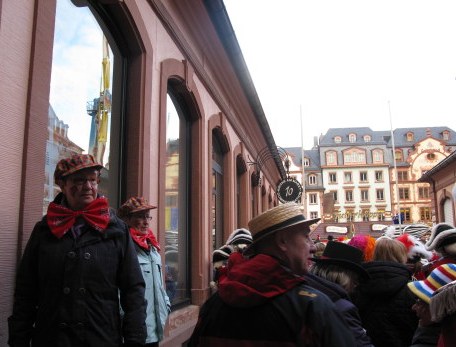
176	219
79	117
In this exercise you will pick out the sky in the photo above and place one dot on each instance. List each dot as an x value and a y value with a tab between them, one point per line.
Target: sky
349	63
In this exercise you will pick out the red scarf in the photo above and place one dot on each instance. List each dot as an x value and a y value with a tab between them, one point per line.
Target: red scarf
144	240
60	218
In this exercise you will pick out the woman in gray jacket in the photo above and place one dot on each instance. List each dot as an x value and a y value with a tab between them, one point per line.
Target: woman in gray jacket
136	213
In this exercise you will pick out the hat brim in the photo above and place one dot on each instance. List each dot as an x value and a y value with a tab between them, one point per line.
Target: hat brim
142	208
72	171
359	269
413	286
249	250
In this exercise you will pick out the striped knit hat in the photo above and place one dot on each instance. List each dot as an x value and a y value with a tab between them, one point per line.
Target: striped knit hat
440	276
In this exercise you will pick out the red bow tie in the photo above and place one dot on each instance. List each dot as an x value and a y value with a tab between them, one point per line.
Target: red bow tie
144	240
60	218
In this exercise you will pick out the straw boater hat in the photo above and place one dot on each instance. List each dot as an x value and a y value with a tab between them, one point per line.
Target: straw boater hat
76	162
442	235
440	276
133	205
277	218
343	255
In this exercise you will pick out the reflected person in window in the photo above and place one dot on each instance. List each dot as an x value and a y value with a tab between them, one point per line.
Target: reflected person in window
136	213
79	261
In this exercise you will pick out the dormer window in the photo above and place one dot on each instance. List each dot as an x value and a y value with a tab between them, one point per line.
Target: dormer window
306	162
352	138
446	135
367	138
410	136
337	139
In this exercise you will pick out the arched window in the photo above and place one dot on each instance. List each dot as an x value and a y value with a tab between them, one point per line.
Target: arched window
377	156
367	138
398	155
337	139
312	179
177	187
331	158
84	113
217	189
352	137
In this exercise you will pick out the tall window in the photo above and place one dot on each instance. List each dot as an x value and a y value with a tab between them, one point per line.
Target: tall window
331	158
349	195
398	155
402	175
404	193
352	137
378	176
348	177
312	198
380	215
332	177
405	214
423	192
177	179
312	180
80	117
377	156
363	176
425	214
217	191
364	195
306	162
380	195
313	215
335	197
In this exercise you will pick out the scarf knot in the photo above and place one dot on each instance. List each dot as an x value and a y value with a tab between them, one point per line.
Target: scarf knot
144	240
60	219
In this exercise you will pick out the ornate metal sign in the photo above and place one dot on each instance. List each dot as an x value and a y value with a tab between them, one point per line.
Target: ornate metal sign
289	190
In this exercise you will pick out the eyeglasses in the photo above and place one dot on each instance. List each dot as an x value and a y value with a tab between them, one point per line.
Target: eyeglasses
81	181
142	216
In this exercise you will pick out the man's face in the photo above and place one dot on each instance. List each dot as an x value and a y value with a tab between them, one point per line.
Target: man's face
298	247
423	312
140	221
80	188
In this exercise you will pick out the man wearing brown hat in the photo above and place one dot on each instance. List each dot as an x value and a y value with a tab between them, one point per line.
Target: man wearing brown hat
79	261
264	300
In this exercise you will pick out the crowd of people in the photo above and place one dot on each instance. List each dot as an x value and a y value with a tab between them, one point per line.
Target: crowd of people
93	276
394	291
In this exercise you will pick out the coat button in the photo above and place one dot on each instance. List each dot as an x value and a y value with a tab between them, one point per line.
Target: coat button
71	255
87	256
66	290
82	291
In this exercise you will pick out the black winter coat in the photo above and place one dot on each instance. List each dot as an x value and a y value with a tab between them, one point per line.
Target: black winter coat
68	290
385	304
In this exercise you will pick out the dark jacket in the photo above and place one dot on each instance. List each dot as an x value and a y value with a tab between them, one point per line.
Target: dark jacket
344	305
260	303
385	304
67	290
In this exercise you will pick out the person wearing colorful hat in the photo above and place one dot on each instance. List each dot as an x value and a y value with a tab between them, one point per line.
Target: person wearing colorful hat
263	298
136	213
443	311
429	330
78	264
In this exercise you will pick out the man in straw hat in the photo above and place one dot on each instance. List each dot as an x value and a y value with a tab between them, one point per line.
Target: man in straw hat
264	300
79	261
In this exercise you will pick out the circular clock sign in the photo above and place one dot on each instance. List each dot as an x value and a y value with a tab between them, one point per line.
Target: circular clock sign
289	190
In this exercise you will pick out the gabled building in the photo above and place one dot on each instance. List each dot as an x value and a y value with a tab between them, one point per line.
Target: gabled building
357	189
